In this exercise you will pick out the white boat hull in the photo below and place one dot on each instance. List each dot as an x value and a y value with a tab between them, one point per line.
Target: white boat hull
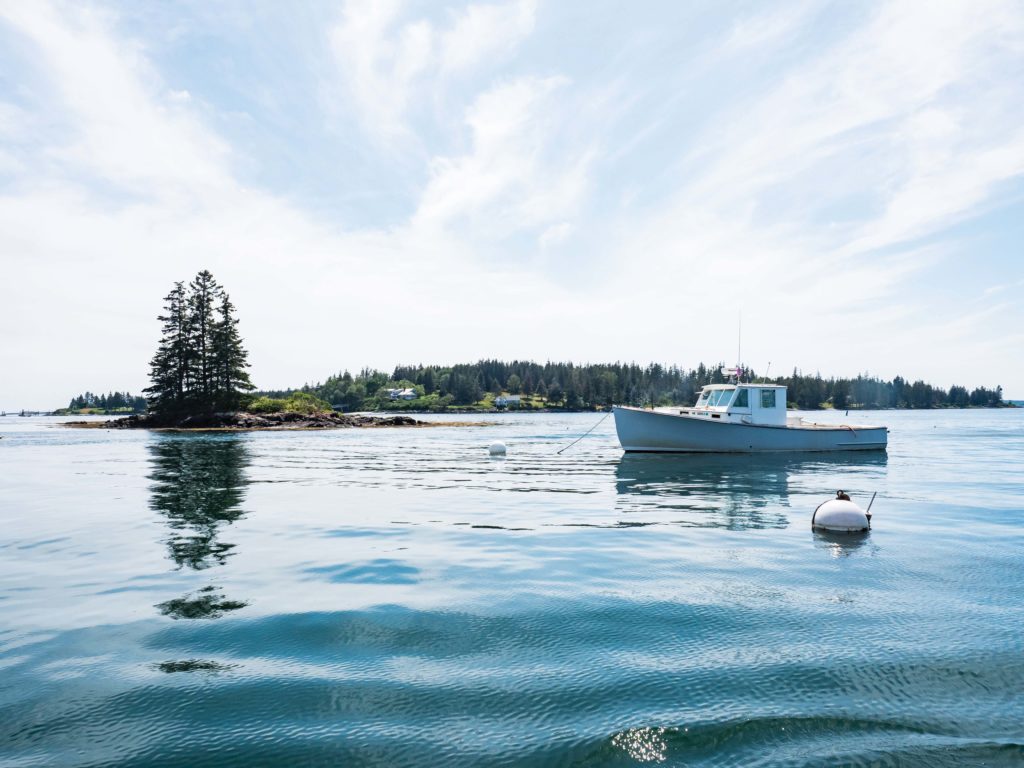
646	431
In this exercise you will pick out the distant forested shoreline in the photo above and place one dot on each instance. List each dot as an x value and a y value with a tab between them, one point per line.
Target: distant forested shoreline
199	370
110	403
487	385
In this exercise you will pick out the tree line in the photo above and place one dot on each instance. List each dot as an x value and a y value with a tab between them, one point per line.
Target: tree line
112	401
585	387
200	363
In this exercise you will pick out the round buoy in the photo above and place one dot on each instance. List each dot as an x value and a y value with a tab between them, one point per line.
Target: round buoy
497	449
840	515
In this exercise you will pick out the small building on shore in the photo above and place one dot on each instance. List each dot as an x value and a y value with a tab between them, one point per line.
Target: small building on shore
504	401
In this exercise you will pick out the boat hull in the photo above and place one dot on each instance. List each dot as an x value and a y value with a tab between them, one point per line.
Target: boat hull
645	431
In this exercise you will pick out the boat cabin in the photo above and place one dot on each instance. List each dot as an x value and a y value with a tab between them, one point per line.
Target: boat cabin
743	403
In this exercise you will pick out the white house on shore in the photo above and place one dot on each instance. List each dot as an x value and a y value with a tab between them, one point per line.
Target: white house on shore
402	394
503	401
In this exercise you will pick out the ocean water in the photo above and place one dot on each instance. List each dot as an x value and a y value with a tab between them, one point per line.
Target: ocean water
397	597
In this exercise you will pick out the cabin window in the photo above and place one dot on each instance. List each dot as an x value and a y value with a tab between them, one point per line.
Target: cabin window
767	398
742	399
704	397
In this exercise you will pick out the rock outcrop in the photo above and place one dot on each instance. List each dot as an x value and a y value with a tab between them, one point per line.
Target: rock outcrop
240	420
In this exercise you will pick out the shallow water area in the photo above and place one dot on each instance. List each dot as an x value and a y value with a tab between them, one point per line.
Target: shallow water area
400	597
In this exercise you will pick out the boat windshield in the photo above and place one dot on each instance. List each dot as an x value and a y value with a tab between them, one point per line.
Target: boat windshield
720	397
704	397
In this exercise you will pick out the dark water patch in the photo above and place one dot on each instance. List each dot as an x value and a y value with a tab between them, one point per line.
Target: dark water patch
124	589
41	543
193	665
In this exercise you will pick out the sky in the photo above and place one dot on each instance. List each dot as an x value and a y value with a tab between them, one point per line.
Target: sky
382	183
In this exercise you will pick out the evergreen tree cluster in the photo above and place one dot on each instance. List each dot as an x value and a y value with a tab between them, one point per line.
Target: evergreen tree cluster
200	364
584	387
810	392
112	401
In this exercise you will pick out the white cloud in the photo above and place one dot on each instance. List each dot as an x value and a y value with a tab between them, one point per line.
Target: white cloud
993	290
779	25
124	134
880	79
480	32
379	63
14	122
387	62
555	234
538	200
509	181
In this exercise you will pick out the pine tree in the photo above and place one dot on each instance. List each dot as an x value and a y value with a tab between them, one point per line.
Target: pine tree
203	293
169	367
229	357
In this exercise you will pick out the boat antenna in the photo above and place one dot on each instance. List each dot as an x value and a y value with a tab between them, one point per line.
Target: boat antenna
739	340
767	369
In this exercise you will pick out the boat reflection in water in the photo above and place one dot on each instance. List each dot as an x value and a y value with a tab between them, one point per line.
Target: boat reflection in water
735	491
198	486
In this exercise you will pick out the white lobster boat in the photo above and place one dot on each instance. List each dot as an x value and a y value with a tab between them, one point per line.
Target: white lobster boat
738	418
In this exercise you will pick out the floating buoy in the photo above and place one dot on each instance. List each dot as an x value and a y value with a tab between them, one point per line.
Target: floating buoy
497	449
842	515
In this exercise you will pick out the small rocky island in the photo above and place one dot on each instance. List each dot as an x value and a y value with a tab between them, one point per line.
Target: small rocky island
199	380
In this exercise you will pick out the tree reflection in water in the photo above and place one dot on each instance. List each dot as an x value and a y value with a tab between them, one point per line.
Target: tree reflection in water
193	665
198	486
207	603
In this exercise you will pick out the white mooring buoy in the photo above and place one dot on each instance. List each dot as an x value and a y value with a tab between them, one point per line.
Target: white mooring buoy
497	449
842	515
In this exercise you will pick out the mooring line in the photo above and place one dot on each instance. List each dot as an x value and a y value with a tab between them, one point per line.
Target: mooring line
570	445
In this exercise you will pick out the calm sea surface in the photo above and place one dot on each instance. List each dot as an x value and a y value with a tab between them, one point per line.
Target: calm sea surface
396	597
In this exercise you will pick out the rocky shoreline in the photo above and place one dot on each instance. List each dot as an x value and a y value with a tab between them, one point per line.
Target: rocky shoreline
241	421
